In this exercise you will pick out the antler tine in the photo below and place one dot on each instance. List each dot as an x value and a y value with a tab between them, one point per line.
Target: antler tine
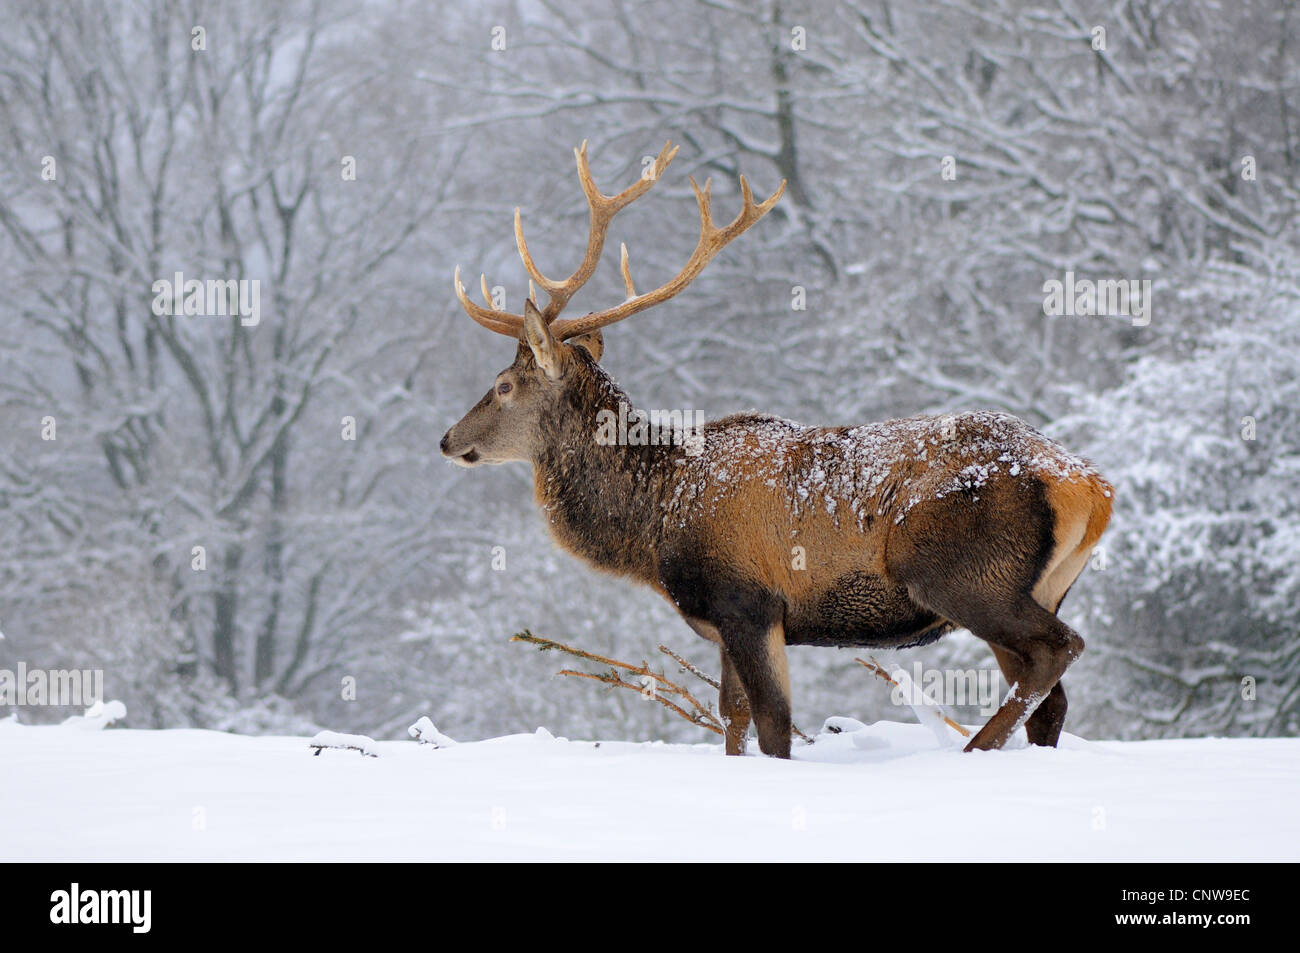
704	199
711	241
535	274
634	191
627	275
500	321
749	212
602	209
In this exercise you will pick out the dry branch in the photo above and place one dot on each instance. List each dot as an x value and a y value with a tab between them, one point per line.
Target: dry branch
693	710
702	717
660	688
710	680
689	667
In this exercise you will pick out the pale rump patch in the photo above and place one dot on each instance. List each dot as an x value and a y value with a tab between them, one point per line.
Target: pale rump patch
1081	511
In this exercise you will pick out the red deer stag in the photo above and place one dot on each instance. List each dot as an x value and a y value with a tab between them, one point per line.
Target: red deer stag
765	533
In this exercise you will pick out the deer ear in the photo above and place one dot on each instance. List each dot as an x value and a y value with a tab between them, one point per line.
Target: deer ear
537	334
592	342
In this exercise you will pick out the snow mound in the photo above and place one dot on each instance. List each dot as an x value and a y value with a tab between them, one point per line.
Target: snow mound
98	716
426	733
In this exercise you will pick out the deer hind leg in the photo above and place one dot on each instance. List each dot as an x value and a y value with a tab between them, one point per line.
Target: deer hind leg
1079	518
1044	725
734	707
1033	646
1002	578
1042	647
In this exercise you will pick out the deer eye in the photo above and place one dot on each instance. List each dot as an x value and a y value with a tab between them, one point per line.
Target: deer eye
503	387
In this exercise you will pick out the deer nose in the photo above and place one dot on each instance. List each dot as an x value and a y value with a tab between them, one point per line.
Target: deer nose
443	445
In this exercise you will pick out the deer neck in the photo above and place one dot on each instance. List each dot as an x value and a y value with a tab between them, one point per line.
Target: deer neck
602	498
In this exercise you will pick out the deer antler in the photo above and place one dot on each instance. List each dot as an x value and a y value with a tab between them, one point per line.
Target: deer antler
603	209
711	241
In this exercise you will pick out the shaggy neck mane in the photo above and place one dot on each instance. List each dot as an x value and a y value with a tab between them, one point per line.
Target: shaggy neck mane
603	502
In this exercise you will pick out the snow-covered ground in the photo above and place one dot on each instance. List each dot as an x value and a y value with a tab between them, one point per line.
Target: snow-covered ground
884	792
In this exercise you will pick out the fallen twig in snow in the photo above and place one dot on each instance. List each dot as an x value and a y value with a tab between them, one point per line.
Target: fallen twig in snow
928	711
335	739
649	683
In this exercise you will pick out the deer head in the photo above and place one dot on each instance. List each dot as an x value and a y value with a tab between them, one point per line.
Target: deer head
554	355
504	425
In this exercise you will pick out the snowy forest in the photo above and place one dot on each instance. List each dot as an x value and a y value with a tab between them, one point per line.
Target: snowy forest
247	525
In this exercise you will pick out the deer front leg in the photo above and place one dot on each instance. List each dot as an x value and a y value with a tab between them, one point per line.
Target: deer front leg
747	620
733	705
758	656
